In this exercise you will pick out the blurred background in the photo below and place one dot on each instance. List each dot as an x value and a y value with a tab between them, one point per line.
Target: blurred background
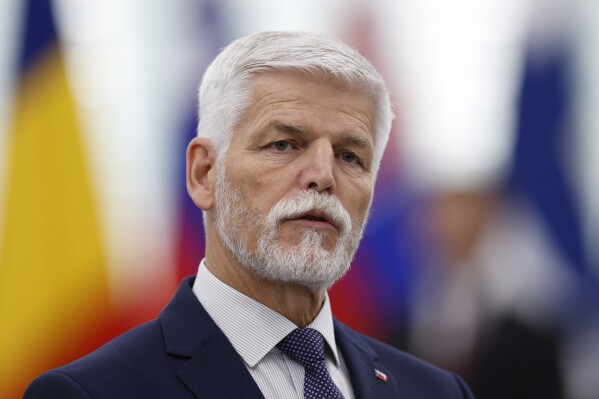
481	254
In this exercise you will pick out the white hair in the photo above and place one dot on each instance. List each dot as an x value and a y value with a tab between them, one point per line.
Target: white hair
225	91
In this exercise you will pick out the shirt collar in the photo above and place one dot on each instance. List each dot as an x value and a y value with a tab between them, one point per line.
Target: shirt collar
253	328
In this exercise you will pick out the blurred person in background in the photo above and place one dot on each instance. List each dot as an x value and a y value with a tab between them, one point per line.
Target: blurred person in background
291	134
498	304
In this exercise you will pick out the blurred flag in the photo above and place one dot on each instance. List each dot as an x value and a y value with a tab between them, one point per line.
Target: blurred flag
189	249
543	128
53	291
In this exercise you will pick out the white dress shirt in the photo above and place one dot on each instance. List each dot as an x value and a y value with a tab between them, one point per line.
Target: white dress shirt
254	330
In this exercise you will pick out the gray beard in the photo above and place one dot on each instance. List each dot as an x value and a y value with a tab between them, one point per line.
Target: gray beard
307	263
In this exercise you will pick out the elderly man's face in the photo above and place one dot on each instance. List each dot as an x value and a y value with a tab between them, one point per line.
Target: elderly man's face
296	186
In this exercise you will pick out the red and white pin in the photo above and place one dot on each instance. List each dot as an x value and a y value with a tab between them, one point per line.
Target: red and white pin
380	375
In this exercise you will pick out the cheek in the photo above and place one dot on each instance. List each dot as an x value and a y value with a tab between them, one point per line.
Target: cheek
361	202
268	186
260	192
255	187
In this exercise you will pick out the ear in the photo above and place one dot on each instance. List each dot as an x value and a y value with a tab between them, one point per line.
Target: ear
200	173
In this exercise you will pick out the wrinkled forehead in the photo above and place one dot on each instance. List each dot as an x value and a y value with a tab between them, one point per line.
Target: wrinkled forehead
317	77
286	83
317	100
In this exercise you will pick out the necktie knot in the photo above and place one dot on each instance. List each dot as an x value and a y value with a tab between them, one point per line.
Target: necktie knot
305	345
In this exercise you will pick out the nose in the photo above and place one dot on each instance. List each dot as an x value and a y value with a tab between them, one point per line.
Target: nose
318	170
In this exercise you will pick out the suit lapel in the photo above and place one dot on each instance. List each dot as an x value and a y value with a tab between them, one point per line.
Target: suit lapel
217	371
362	363
214	370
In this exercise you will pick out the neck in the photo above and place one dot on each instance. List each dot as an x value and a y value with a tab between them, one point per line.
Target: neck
294	301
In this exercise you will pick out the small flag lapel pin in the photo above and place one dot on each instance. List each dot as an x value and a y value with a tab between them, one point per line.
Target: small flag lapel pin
380	375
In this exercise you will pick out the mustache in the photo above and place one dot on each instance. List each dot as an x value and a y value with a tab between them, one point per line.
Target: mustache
311	201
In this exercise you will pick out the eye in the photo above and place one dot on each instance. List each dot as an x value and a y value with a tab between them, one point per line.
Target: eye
349	157
281	145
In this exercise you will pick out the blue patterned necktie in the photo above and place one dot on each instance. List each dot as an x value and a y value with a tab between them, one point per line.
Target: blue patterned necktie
306	346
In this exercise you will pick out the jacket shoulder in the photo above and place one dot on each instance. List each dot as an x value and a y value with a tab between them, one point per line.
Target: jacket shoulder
124	352
134	361
55	385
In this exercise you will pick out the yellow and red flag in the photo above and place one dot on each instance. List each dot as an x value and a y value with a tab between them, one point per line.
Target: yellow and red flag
53	288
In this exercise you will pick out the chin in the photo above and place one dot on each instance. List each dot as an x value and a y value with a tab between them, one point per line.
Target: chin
317	269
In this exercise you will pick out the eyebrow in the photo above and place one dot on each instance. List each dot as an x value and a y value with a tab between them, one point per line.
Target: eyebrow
289	128
356	139
351	137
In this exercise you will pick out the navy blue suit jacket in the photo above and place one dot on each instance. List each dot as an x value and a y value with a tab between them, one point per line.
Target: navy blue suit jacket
183	354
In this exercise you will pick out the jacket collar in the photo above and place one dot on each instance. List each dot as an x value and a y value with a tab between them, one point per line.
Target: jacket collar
363	365
214	370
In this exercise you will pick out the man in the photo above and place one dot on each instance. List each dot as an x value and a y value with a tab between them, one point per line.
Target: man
291	134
